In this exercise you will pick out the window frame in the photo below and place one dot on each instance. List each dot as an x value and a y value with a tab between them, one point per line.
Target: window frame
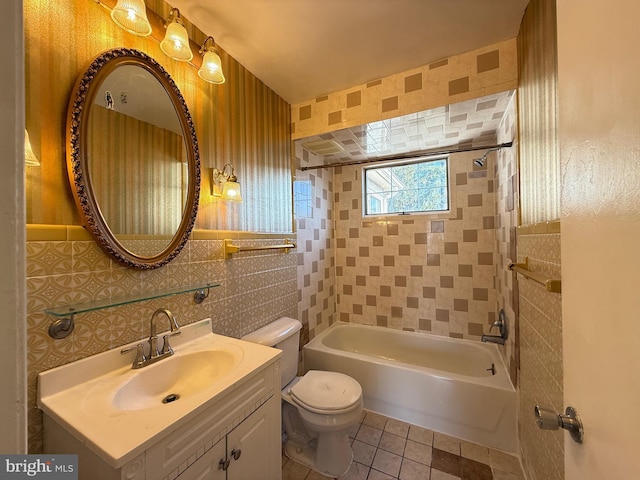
400	163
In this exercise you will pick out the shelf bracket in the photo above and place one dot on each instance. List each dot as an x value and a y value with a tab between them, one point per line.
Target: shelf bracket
62	327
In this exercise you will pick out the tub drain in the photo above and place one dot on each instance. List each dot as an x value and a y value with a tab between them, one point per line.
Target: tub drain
172	397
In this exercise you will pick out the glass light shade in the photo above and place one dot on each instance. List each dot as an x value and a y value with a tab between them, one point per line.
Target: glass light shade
29	157
231	191
176	43
211	69
132	16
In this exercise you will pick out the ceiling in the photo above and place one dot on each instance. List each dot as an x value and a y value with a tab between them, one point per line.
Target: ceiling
303	49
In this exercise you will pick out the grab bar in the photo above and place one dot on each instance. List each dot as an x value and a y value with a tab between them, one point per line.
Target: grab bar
230	248
552	285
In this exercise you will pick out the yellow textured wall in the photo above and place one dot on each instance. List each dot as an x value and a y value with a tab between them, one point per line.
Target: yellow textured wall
241	122
539	157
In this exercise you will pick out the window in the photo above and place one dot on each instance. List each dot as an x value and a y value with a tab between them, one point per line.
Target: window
420	186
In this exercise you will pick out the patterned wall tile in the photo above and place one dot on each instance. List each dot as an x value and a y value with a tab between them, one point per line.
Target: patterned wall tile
257	288
417	282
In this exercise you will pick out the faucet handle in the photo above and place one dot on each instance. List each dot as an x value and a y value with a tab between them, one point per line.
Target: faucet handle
166	347
140	358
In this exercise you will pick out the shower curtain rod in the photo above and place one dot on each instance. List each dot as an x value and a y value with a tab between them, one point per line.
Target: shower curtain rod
418	154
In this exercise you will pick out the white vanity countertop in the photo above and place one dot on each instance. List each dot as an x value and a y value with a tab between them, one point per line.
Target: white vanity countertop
83	396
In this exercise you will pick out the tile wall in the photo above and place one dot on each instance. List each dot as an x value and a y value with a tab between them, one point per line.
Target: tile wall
64	267
428	272
507	217
541	375
316	252
473	74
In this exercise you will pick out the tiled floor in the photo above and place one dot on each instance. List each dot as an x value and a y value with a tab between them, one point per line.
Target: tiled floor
386	449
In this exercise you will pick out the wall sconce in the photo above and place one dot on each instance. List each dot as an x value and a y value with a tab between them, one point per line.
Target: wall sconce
29	157
224	183
211	69
176	40
132	16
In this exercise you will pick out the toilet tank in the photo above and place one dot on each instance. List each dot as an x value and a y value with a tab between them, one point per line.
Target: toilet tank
284	334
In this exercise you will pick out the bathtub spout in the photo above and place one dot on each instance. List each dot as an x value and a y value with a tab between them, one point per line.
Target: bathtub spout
492	339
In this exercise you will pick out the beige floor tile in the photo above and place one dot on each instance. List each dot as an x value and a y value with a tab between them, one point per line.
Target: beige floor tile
446	443
387	462
377	475
411	470
421	435
363	452
357	471
369	435
294	471
438	475
375	420
397	427
418	452
475	452
316	476
392	443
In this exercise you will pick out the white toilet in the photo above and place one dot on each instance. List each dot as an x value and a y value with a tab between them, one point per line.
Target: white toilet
318	409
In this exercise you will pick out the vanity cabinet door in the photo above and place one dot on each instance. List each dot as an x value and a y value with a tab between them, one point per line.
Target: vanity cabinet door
207	467
254	446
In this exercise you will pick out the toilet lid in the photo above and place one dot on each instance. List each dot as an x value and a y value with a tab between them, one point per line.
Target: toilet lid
326	391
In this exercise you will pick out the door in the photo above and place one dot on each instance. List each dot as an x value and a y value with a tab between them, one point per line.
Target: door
599	133
207	467
254	446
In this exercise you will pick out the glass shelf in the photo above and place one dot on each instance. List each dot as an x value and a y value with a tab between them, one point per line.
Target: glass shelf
84	307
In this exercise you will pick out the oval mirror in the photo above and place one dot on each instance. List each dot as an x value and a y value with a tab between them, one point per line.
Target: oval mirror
133	159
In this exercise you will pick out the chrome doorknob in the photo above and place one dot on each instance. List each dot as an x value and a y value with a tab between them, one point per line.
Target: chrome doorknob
549	420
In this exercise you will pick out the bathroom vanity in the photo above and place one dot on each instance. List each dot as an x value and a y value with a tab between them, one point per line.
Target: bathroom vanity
128	424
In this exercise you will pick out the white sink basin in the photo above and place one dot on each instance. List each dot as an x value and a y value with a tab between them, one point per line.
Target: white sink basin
118	411
175	378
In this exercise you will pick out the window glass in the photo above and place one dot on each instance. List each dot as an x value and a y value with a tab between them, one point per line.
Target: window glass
420	186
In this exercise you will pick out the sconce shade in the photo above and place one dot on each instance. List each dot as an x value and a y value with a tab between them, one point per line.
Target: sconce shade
211	69
231	191
226	180
131	15
29	157
176	42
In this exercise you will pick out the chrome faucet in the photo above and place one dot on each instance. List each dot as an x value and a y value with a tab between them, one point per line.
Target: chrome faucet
141	359
501	324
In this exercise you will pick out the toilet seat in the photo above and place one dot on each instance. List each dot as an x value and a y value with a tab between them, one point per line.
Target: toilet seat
326	392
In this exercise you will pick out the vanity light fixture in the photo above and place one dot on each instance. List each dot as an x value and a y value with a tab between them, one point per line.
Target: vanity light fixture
29	157
131	15
224	183
176	40
211	69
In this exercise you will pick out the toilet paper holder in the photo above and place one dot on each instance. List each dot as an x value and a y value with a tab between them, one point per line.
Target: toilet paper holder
547	419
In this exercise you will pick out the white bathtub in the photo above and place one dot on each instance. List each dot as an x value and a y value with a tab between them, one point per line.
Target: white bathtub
436	382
